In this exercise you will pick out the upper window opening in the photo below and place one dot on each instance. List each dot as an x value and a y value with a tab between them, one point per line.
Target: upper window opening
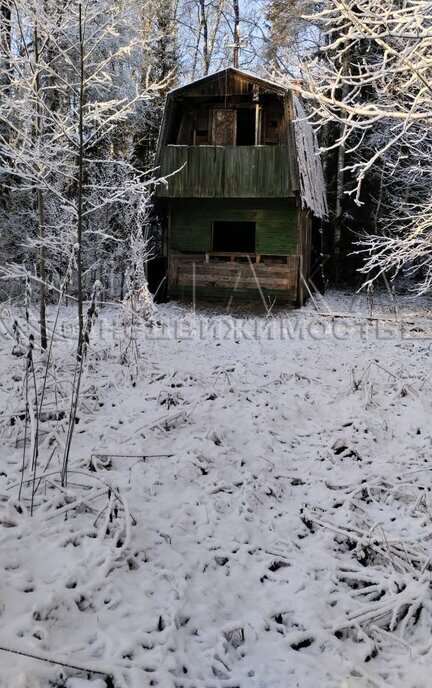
201	127
233	122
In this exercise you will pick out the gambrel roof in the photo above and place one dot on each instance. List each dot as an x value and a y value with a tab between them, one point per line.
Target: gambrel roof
304	159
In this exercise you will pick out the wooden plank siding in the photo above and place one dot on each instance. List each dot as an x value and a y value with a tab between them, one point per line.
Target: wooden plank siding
276	223
192	277
226	172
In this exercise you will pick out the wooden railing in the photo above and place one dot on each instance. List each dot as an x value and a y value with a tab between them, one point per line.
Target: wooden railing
199	270
226	172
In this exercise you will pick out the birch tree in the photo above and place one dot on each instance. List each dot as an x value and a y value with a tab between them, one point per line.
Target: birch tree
214	34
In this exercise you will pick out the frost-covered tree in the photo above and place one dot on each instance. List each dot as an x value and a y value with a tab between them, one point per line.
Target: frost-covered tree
373	78
69	114
290	34
217	34
161	24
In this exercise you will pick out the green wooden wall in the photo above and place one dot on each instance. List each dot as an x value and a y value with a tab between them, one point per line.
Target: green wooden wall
227	172
276	223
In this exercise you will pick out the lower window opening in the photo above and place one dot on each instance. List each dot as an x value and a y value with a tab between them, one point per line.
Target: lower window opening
234	237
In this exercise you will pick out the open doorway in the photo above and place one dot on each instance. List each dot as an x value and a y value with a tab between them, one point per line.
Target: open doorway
245	127
233	237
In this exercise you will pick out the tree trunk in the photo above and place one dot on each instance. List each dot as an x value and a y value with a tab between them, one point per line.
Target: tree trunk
40	198
340	182
204	29
80	198
236	32
5	65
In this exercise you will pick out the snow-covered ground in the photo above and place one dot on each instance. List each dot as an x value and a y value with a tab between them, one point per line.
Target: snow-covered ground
278	532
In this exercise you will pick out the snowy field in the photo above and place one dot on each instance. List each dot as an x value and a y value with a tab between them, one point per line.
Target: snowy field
248	505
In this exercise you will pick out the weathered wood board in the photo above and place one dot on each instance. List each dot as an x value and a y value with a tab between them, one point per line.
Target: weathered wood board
193	271
226	172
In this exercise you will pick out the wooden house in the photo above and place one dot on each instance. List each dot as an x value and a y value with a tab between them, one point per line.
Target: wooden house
244	189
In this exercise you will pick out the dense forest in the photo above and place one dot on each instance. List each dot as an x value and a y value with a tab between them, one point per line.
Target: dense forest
82	94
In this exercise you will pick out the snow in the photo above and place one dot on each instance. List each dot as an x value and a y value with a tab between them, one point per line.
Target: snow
277	532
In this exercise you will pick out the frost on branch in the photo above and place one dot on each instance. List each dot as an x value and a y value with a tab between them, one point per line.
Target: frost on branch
372	82
139	301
